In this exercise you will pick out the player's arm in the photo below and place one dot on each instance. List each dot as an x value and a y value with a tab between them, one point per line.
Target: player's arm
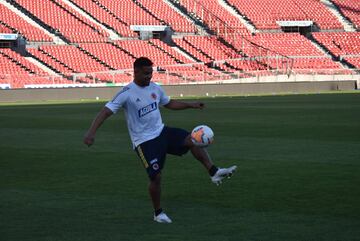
89	137
179	105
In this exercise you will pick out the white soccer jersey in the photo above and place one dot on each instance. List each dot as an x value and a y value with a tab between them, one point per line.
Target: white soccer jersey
141	107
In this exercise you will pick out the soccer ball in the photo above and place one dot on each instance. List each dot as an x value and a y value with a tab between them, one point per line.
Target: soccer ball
202	136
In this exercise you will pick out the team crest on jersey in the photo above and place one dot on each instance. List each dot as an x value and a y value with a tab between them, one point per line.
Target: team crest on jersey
154	96
147	109
155	166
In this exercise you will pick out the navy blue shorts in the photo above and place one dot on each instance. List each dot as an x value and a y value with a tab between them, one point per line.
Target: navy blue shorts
153	152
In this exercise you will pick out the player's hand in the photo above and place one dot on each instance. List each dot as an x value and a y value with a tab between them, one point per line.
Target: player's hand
89	139
198	105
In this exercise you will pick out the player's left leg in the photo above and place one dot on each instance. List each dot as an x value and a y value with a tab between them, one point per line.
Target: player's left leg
201	154
179	142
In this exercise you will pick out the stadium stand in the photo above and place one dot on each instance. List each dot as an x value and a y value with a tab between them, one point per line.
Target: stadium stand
129	12
21	61
189	49
289	44
5	29
105	16
10	66
51	61
113	56
168	15
264	14
350	9
140	48
18	72
13	23
62	19
196	69
354	61
73	57
222	49
245	65
340	43
212	47
214	15
166	60
313	63
169	51
69	60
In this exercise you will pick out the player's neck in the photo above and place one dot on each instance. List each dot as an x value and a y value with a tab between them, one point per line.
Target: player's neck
140	83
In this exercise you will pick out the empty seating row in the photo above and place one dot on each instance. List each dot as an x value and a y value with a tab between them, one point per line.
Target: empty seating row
170	17
140	48
212	47
10	67
129	12
95	9
355	61
64	20
68	60
340	43
163	47
51	61
194	52
5	29
74	58
264	14
110	54
214	15
246	65
299	65
16	24
288	44
351	10
14	58
313	63
17	71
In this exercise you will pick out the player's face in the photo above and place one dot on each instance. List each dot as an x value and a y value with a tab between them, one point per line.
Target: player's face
143	75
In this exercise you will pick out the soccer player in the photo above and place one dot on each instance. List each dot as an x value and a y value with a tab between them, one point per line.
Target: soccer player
151	139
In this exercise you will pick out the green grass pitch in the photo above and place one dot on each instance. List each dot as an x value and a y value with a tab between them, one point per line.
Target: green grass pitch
298	178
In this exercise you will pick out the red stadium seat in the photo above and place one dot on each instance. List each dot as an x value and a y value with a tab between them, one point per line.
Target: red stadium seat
340	43
16	24
264	14
226	50
62	18
351	10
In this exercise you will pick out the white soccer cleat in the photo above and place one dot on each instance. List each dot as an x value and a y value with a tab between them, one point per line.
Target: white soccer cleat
222	173
162	218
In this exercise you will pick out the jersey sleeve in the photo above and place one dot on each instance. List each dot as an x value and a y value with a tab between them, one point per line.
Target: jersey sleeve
164	99
119	100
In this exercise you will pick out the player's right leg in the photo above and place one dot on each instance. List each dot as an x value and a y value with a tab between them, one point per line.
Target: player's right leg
155	191
155	194
152	154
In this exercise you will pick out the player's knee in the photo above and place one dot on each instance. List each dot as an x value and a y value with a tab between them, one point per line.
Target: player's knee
188	142
155	178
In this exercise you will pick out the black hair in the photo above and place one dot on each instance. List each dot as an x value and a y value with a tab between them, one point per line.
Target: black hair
142	61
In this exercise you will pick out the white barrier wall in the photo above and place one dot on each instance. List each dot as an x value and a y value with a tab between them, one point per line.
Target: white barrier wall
105	93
